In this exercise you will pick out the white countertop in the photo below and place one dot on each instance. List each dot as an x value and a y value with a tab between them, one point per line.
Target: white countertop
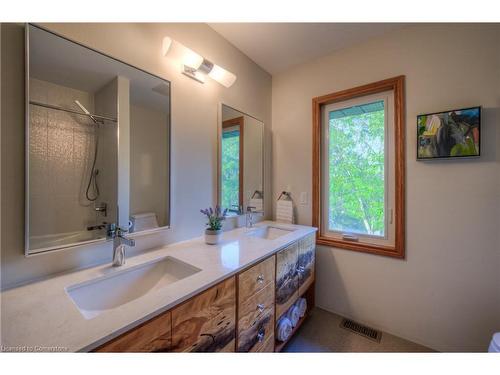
42	317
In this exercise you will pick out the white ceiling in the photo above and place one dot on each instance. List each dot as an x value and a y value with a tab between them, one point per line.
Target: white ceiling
279	46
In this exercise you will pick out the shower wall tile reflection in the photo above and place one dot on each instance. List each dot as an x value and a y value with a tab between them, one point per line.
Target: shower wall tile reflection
61	149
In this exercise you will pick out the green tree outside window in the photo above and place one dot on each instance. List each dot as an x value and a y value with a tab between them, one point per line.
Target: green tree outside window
356	170
230	169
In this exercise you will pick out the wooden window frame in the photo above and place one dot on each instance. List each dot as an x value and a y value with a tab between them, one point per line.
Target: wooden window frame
396	84
238	121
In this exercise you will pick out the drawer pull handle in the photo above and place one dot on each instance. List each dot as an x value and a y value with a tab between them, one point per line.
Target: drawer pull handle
260	336
260	278
260	307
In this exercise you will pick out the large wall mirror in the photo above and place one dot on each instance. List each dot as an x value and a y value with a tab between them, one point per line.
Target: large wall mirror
241	161
97	145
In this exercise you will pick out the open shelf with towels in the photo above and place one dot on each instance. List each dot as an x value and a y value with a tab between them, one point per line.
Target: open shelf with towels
308	294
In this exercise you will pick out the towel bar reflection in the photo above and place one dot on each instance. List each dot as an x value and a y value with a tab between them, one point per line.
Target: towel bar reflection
257	193
286	194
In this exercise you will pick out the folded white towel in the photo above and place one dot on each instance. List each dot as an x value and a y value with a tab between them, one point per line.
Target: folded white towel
302	306
284	211
258	203
284	329
294	315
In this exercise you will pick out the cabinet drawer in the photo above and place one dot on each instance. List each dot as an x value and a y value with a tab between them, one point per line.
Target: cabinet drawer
207	322
256	278
255	328
256	319
251	308
153	336
268	346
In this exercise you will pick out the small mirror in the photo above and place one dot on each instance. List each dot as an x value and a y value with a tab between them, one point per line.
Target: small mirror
241	154
97	145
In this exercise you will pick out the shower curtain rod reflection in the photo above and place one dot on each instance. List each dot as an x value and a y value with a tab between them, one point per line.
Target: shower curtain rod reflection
90	115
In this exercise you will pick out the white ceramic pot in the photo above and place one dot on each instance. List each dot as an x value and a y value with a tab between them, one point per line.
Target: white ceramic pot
213	237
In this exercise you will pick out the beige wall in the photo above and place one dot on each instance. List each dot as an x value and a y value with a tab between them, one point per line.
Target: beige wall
446	294
194	132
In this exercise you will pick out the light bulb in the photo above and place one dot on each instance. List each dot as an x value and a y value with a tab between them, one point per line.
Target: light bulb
180	53
191	58
222	76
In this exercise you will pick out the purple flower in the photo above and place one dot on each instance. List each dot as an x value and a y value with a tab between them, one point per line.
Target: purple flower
215	217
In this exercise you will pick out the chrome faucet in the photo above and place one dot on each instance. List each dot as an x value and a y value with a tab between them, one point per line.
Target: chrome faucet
249	216
238	209
119	242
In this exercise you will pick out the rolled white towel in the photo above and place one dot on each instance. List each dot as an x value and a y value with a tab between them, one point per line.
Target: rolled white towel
294	315
302	306
284	329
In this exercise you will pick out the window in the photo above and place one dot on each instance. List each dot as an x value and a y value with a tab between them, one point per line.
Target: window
355	165
359	168
232	164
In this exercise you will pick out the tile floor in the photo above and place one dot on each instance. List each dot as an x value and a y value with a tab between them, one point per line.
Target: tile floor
321	333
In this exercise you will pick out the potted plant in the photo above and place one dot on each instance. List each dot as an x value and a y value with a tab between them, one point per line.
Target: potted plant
213	233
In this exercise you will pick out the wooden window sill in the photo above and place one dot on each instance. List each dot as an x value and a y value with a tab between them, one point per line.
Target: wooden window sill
392	251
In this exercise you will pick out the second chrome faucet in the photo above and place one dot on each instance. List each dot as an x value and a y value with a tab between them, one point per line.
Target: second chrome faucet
249	216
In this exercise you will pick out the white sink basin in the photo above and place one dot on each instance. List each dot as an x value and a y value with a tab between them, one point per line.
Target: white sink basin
268	232
108	292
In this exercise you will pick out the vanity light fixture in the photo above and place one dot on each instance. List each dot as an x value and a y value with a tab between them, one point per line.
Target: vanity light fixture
195	66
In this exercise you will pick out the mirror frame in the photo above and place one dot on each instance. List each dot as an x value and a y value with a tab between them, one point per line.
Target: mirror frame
219	156
27	252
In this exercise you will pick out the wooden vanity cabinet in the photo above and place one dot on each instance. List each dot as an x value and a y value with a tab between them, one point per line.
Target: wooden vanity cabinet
153	336
206	322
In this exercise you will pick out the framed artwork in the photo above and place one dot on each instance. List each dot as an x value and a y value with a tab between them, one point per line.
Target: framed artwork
450	134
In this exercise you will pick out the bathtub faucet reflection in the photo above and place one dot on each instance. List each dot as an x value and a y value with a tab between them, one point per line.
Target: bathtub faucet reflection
97	227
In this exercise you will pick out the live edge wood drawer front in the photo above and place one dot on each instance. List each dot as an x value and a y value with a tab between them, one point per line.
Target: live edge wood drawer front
207	322
307	249
152	336
256	278
287	278
268	346
256	320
